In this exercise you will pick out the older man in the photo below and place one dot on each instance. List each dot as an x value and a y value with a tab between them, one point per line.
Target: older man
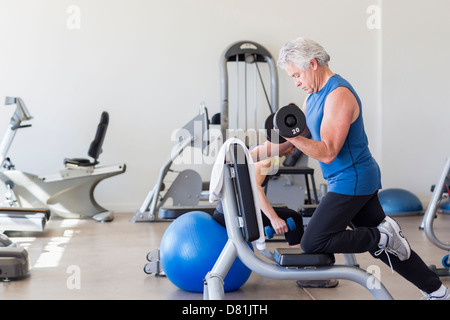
334	117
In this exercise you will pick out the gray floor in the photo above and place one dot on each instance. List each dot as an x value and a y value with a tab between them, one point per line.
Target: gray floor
106	261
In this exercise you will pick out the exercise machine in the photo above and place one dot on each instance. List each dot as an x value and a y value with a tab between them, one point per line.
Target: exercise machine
67	194
244	54
186	190
14	262
244	225
440	198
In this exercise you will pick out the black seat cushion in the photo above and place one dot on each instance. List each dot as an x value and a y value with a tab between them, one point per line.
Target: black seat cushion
295	257
308	210
176	211
80	162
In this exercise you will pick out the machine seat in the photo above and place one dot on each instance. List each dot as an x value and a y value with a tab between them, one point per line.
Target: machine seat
307	211
176	211
78	162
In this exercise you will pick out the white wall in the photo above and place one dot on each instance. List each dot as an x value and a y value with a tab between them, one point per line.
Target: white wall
416	92
150	63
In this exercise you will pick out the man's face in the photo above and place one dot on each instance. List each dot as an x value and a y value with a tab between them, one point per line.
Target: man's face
302	78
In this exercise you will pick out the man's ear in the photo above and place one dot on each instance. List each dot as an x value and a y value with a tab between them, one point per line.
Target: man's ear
314	64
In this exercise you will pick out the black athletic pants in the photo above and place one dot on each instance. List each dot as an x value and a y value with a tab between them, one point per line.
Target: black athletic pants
327	233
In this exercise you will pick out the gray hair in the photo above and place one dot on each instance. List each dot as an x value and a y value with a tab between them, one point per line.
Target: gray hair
301	51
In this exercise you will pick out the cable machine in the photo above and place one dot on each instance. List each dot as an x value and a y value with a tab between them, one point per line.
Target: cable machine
246	54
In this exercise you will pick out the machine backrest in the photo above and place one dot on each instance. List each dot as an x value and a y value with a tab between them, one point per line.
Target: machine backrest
244	193
95	148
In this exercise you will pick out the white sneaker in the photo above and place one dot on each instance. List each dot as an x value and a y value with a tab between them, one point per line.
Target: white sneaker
446	296
396	243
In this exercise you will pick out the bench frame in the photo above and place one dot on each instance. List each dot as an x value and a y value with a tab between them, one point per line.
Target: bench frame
237	245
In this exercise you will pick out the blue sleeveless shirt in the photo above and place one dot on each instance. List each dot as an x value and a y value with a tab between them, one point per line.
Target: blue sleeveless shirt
354	171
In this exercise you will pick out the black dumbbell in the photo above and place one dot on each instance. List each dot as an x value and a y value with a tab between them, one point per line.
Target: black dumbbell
270	132
290	121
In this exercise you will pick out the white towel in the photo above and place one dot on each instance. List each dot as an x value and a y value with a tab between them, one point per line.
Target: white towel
216	183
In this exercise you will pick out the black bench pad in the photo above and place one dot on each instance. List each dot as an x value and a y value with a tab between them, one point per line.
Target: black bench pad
294	257
307	211
176	211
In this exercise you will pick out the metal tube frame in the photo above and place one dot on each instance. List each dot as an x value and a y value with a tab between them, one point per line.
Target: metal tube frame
430	213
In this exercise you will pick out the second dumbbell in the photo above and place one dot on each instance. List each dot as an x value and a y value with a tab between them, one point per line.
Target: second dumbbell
270	231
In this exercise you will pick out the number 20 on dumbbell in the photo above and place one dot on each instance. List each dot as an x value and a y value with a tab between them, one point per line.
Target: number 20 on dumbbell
288	122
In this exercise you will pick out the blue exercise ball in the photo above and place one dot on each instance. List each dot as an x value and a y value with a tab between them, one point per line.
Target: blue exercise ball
400	202
189	249
445	209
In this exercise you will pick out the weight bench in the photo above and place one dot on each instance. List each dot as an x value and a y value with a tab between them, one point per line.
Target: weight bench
244	226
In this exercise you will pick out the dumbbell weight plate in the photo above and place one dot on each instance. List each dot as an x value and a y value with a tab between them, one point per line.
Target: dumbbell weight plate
289	121
271	134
